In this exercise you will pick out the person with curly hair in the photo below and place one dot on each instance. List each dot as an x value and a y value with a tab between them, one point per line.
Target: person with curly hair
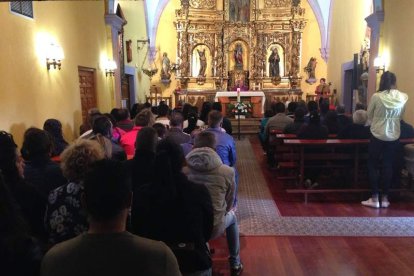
65	217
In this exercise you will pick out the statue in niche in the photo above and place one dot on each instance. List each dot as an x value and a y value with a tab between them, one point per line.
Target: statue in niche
239	11
365	60
238	57
203	63
165	71
274	59
310	70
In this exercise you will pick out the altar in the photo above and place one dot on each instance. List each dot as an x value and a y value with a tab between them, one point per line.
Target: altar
256	98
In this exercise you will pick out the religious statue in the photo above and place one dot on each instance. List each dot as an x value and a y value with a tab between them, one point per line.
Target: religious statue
238	56
310	70
239	11
365	60
203	63
274	59
165	71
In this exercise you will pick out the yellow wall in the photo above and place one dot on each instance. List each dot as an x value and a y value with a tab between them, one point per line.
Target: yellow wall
167	42
29	94
397	44
347	33
134	12
311	43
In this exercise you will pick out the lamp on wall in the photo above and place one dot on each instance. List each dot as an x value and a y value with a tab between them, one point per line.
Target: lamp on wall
54	56
110	67
143	42
379	64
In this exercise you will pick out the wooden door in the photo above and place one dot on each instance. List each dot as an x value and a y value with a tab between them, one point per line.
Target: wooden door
125	91
87	90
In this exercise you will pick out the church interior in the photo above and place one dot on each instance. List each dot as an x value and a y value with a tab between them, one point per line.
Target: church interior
59	59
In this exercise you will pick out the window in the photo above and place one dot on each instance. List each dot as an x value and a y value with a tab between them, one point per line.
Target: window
24	8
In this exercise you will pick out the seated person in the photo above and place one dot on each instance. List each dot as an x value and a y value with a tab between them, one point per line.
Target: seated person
313	130
205	167
299	121
192	113
27	198
20	253
102	133
342	119
123	121
331	122
54	128
160	129
162	113
226	122
176	211
291	108
175	133
267	115
107	248
143	119
39	169
407	130
65	217
358	129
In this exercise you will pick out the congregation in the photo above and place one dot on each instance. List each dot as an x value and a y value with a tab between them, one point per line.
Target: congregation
120	192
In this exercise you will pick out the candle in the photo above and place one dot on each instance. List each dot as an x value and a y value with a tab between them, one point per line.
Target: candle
238	94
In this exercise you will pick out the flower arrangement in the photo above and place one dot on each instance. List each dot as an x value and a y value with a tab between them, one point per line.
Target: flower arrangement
241	108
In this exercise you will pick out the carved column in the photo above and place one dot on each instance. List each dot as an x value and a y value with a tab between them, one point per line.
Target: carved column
298	25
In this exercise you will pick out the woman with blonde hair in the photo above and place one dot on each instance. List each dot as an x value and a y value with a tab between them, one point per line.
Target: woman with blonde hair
65	217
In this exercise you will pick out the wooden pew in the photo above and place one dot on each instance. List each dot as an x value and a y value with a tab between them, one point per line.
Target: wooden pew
330	153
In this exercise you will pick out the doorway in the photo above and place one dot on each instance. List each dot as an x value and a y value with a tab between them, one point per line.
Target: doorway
87	90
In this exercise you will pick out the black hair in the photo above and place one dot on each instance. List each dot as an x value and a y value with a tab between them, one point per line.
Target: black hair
107	189
163	110
269	113
314	118
205	109
102	125
217	106
147	139
312	106
8	157
186	110
54	128
292	106
176	120
192	122
388	81
280	107
324	106
160	129
36	144
299	114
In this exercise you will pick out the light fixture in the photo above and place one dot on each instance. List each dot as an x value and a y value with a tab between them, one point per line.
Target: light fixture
110	67
54	56
143	42
379	64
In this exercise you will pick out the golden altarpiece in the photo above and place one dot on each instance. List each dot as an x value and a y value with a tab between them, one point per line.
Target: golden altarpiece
225	44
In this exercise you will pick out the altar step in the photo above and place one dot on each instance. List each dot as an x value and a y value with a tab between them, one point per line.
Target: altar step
248	126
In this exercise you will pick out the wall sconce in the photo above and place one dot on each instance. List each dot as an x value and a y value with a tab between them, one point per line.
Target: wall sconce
54	56
110	67
379	64
143	42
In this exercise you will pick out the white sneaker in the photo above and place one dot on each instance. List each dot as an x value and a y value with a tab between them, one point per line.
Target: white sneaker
371	203
385	203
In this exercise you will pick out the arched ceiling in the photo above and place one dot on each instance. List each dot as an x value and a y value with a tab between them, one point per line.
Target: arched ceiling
321	9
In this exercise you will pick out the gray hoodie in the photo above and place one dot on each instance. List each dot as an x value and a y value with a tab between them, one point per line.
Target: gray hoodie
385	111
204	166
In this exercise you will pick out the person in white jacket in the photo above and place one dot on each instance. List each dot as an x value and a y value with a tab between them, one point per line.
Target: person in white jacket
384	111
204	166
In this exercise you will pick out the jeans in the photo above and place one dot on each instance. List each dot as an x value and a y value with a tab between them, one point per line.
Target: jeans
232	235
378	150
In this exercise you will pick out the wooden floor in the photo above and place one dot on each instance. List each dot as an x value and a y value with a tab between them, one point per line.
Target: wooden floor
264	256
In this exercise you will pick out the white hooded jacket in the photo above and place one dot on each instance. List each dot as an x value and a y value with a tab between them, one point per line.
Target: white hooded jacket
385	111
204	166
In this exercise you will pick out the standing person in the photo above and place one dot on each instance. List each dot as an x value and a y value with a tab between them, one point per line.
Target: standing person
107	248
322	90
384	111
